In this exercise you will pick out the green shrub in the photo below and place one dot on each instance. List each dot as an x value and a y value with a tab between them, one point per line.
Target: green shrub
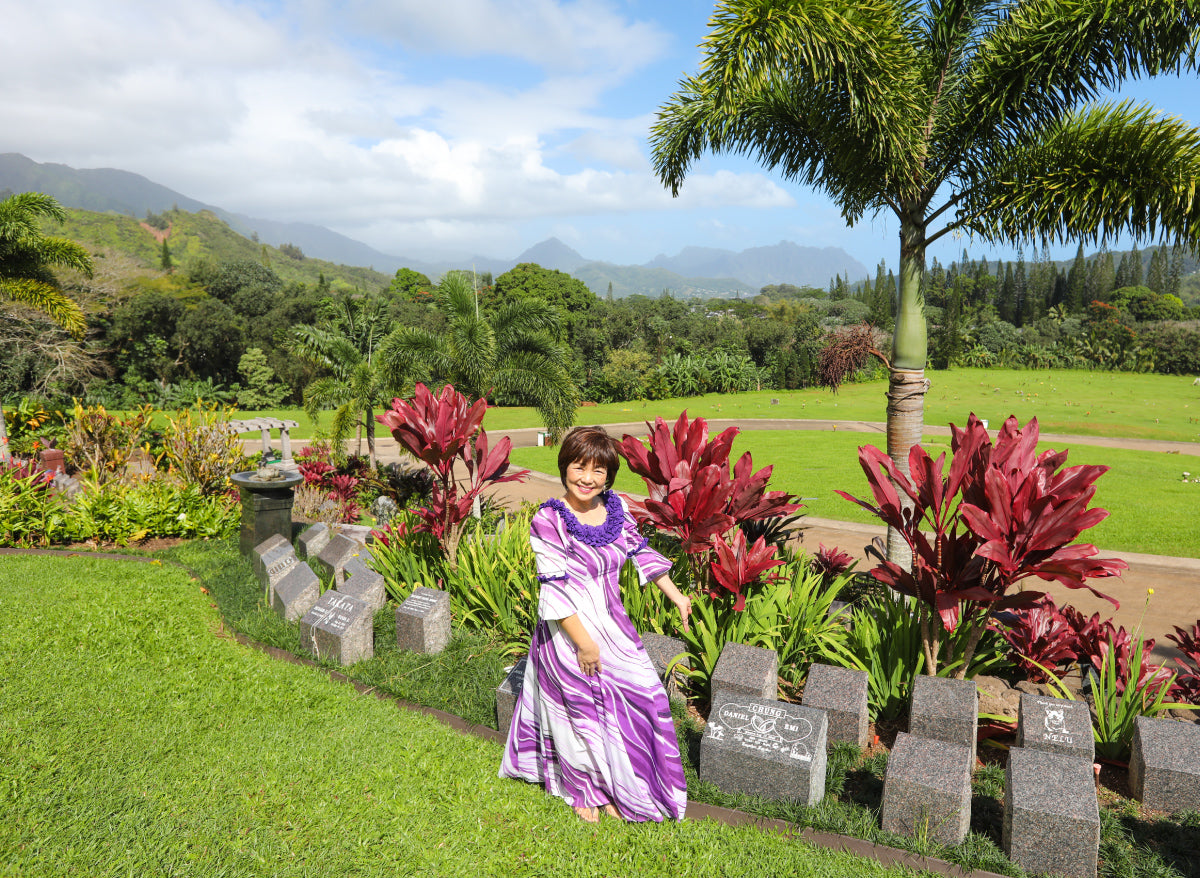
101	444
125	513
200	447
31	513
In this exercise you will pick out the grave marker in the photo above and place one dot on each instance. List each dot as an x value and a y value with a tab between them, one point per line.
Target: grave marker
364	583
338	627
944	710
273	547
746	670
1055	725
313	540
927	789
765	748
333	557
662	649
296	592
423	621
842	694
1164	770
507	695
1051	817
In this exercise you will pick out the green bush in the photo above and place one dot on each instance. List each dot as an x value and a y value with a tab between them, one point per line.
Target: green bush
125	513
31	512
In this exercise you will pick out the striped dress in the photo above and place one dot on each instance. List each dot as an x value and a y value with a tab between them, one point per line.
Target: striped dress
608	737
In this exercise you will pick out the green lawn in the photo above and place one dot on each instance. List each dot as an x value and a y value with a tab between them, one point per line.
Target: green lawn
137	738
1152	509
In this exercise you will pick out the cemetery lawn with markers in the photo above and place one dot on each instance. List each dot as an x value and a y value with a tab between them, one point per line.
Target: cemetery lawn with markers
176	748
137	737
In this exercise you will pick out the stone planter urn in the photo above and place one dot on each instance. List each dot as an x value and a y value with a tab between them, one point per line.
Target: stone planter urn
267	497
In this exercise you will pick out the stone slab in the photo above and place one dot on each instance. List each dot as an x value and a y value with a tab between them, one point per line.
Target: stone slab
662	649
508	693
338	628
1056	725
313	540
273	547
945	710
364	583
1051	816
746	670
276	570
842	694
765	748
331	560
423	621
927	789
1164	770
294	594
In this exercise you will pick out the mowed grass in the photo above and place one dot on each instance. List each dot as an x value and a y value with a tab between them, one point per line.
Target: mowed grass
1064	401
137	738
1152	509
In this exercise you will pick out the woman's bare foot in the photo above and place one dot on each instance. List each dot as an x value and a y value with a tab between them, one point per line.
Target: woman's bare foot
587	813
611	810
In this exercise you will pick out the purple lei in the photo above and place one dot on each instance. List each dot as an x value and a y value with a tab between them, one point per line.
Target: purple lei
594	535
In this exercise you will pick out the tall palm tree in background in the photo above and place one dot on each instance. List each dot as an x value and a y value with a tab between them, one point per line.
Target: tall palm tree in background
970	116
26	259
511	351
347	346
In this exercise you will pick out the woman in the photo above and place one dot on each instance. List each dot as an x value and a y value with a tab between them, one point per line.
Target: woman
592	723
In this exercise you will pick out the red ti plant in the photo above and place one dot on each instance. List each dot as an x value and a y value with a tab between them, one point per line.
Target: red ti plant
831	562
1041	638
694	497
737	565
1187	684
442	431
1003	515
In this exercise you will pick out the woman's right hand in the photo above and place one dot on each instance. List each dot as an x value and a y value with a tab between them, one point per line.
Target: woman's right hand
589	658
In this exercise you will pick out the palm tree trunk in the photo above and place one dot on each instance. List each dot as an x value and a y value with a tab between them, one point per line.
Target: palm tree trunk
910	347
370	421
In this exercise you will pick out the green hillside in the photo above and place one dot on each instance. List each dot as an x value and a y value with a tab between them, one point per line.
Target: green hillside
196	236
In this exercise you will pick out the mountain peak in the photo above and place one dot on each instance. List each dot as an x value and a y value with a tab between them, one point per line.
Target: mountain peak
553	253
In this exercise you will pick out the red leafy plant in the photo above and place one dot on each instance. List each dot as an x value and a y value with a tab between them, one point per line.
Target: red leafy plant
830	563
694	497
1041	638
1187	684
1003	515
442	431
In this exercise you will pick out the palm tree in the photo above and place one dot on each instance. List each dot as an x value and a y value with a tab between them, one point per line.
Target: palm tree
347	345
970	116
26	257
511	351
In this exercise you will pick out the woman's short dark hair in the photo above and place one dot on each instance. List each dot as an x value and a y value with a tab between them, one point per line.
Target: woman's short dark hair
589	445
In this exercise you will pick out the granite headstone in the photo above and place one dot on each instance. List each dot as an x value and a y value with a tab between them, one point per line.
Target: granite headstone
662	650
313	540
338	627
508	693
1164	770
1051	816
363	583
423	621
294	594
1056	725
331	560
944	710
842	694
746	670
269	550
927	789
765	748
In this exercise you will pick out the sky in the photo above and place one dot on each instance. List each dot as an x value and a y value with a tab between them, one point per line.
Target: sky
420	127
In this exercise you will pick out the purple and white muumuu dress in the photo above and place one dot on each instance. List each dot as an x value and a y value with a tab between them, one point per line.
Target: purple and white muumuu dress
608	737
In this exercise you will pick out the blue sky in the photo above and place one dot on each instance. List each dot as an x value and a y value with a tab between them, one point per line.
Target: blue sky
421	128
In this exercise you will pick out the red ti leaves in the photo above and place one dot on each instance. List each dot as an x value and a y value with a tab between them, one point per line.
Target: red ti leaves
737	565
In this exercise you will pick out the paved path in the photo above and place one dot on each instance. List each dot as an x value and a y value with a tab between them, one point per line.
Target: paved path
1176	581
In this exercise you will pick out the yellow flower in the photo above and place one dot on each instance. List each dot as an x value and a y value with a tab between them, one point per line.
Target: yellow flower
1149	591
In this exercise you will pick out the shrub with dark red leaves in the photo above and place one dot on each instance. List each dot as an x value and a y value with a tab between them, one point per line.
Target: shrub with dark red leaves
1041	637
831	562
1187	685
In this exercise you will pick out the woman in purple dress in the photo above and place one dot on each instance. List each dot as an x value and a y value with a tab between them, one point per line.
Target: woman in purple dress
592	723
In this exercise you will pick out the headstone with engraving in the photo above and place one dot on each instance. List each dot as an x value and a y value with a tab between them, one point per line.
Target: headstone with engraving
1056	725
1164	770
507	695
338	627
333	557
1051	817
363	583
296	592
313	540
276	570
765	748
746	670
662	650
945	710
842	694
927	789
271	549
423	621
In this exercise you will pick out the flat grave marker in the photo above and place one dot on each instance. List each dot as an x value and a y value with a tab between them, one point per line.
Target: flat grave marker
842	694
927	789
765	748
423	621
1164	769
746	670
1051	816
1056	725
338	627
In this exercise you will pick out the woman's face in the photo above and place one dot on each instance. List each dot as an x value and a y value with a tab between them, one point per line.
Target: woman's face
585	481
